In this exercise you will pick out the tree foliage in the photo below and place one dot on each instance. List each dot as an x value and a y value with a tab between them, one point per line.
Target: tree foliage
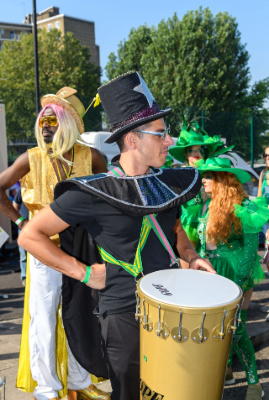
63	61
198	64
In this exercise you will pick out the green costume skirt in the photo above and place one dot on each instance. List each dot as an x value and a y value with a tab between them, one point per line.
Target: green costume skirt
239	264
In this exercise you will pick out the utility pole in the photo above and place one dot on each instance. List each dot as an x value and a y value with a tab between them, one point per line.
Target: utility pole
251	141
37	97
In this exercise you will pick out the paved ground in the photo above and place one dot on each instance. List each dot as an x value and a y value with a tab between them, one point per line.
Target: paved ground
11	310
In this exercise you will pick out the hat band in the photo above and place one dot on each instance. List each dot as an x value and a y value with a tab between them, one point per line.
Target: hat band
147	112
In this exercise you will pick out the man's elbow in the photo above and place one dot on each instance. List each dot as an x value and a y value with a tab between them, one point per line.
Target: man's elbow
22	239
25	237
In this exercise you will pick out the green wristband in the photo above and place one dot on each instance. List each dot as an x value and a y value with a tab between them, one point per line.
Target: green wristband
87	275
19	220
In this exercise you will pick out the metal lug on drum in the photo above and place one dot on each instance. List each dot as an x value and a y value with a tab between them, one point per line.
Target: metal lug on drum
146	322
239	320
218	332
137	308
161	328
201	336
201	333
180	334
235	318
222	334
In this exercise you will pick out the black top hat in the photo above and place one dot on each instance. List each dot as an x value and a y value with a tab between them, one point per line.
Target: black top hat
128	104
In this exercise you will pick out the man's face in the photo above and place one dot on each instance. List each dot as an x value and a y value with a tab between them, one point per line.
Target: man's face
48	131
152	149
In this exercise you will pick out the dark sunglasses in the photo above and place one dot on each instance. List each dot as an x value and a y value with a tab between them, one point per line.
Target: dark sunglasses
265	155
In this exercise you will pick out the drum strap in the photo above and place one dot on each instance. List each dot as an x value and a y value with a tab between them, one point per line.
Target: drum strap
149	222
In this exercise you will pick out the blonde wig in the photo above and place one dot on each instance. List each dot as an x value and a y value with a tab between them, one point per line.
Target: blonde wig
64	138
226	191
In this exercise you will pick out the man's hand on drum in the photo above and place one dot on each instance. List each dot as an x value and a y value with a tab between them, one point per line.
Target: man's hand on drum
202	263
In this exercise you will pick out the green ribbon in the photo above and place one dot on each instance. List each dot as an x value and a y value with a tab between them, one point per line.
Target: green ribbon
188	137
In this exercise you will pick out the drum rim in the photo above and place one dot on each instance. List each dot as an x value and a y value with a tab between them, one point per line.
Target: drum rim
189	310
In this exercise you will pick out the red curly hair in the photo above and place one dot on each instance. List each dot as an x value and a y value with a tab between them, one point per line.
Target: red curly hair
226	191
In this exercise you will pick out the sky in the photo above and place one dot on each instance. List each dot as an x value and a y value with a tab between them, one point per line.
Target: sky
114	20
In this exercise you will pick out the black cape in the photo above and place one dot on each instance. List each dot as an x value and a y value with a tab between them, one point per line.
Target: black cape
142	195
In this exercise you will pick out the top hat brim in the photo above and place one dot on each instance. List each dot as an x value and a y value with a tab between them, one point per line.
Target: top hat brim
54	99
135	124
178	152
242	175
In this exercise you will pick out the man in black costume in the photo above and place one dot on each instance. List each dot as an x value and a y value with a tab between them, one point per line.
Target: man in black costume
112	208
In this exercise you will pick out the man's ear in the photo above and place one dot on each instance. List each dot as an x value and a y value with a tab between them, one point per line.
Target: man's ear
131	139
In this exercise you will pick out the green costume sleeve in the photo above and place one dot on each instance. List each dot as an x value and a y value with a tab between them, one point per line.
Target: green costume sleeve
189	216
189	220
253	214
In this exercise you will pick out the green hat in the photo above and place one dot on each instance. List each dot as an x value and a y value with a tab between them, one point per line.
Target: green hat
222	165
186	139
193	135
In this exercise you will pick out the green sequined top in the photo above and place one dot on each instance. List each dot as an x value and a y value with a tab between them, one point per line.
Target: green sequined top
237	259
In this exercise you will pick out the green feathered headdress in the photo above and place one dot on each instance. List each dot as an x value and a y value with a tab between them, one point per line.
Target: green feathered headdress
193	135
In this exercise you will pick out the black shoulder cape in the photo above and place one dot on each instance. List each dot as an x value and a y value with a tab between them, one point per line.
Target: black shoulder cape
140	195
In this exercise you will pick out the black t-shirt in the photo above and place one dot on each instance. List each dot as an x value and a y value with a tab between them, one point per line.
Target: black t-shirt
23	209
118	233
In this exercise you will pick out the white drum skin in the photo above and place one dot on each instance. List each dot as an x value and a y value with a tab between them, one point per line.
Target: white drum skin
192	365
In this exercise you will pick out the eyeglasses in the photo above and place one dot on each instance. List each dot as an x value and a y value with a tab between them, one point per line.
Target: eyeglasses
52	121
162	134
265	155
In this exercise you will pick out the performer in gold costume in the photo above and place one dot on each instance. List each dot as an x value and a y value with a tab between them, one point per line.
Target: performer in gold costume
45	356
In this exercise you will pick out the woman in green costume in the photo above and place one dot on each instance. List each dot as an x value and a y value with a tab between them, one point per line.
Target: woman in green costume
263	189
228	229
192	145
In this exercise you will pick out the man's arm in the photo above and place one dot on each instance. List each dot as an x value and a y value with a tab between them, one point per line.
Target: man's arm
98	162
35	238
8	178
187	252
16	206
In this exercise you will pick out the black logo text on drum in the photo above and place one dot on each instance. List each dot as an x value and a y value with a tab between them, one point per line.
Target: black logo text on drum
149	394
162	289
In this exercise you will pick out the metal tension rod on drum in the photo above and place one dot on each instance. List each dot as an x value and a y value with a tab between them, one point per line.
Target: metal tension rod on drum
159	331
137	308
234	327
239	320
201	336
222	334
145	316
179	328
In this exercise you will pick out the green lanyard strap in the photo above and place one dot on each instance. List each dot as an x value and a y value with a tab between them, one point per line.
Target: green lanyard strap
149	222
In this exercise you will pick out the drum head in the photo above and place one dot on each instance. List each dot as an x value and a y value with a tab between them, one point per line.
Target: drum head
189	288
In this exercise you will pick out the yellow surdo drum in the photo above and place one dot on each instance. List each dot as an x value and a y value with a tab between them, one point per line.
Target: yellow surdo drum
187	319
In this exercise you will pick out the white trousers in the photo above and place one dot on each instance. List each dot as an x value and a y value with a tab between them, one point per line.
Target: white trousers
45	293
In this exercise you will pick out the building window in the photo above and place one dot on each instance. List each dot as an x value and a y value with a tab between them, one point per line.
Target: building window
49	27
11	34
57	24
2	32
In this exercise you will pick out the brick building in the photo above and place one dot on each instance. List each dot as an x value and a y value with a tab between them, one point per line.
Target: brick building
10	31
82	30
